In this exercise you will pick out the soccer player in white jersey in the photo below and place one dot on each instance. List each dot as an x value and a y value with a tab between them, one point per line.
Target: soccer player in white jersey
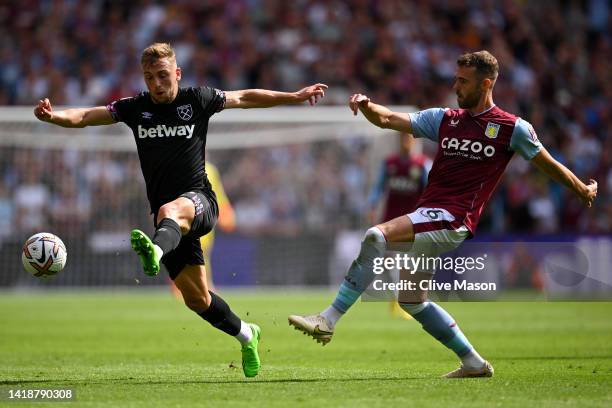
475	144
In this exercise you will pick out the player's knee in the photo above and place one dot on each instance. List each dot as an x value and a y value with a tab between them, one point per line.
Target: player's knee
375	236
174	212
169	210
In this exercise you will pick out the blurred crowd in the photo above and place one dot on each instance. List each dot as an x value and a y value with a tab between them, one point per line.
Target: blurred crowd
555	72
288	190
70	192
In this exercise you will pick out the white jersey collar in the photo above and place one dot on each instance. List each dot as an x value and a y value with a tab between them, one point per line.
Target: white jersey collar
484	111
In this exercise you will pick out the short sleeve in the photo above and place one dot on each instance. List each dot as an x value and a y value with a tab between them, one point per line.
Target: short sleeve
121	109
426	123
524	140
212	99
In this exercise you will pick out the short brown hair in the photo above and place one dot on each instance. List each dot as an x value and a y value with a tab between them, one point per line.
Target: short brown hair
485	63
155	52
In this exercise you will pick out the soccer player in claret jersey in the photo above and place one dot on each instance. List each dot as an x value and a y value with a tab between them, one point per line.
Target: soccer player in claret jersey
475	143
170	125
401	180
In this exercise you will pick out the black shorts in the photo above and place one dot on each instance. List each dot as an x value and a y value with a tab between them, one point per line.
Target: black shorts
189	250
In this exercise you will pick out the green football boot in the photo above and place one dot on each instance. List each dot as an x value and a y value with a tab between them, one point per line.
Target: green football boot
250	357
145	249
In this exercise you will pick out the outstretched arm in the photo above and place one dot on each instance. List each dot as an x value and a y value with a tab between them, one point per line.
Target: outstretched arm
561	174
73	118
380	115
263	98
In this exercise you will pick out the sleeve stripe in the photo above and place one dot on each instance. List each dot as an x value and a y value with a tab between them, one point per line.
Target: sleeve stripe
113	111
221	106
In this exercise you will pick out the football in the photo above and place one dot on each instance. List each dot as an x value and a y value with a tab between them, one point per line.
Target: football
43	255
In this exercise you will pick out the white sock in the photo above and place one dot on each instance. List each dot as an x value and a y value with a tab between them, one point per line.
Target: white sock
472	360
246	333
331	315
158	252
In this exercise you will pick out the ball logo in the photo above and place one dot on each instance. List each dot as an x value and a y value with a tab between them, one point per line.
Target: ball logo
467	146
185	112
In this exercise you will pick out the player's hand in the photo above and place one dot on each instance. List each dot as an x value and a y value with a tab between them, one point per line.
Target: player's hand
589	193
357	100
312	93
43	110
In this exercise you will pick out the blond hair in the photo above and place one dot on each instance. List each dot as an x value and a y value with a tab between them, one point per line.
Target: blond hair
485	63
156	52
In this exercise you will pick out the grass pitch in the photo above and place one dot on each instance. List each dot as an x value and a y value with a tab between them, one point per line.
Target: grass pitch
145	349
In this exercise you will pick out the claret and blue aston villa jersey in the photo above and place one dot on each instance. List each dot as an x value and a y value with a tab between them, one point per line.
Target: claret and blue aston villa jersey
402	179
473	152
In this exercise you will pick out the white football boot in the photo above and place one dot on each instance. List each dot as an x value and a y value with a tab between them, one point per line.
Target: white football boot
463	372
315	326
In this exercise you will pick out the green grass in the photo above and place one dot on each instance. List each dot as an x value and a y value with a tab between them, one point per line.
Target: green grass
144	349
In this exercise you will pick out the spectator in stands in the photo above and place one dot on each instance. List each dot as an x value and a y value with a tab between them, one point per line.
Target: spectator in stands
557	74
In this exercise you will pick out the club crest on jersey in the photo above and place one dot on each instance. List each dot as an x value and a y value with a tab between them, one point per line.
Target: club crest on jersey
492	130
185	112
